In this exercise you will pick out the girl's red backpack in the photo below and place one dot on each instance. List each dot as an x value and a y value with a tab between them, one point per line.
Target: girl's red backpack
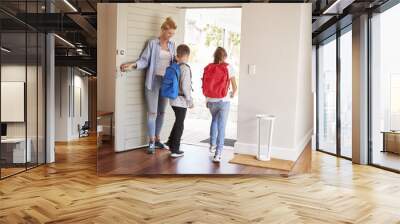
215	80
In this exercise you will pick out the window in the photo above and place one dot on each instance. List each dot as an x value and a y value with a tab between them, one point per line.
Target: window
327	96
334	101
385	89
346	93
22	74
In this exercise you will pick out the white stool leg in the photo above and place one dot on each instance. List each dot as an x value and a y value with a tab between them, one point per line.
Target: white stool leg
268	118
260	155
271	129
258	138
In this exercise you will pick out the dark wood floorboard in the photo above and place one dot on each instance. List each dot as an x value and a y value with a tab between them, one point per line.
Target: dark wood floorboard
197	160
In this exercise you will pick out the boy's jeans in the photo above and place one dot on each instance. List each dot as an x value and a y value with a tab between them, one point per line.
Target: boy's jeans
219	112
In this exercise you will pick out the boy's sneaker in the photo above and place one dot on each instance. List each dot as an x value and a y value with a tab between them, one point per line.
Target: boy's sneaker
213	148
151	149
176	154
160	145
217	157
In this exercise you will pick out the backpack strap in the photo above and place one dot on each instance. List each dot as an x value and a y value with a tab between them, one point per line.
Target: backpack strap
176	69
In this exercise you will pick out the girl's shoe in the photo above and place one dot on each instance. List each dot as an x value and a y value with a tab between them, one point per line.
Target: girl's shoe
213	148
217	157
151	149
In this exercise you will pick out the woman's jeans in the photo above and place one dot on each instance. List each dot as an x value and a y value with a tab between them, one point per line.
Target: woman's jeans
219	112
155	108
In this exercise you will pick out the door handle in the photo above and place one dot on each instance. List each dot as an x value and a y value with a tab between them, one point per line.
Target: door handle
118	72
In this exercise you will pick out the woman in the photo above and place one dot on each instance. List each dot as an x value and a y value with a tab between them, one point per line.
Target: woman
156	57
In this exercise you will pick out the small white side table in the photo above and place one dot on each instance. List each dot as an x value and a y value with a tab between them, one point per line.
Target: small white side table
265	155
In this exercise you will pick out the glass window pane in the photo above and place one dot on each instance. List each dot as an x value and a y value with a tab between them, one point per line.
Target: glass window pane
346	94
41	98
327	97
31	97
23	89
13	86
385	84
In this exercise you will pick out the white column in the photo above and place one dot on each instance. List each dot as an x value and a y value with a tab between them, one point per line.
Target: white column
50	93
50	99
360	90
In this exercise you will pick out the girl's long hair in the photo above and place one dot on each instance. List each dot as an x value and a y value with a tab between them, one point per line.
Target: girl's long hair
219	55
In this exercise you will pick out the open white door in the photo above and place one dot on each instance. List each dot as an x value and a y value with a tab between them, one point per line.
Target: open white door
136	24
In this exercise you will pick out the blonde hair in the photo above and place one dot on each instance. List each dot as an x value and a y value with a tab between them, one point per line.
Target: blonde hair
168	24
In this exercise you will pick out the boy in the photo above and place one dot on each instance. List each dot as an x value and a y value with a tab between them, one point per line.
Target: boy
182	102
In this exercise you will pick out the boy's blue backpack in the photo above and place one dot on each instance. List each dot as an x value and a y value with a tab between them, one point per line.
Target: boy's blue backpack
170	84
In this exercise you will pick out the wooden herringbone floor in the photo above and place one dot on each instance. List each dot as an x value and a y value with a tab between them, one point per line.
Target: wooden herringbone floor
70	192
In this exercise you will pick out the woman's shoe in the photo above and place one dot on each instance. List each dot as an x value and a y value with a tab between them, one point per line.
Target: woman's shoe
160	145
151	149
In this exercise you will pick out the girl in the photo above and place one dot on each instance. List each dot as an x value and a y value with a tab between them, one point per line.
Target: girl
156	57
218	77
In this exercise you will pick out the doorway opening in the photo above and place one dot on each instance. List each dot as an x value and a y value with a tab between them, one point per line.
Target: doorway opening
205	30
74	104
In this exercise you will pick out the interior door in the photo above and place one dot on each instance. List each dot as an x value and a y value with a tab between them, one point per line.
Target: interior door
136	24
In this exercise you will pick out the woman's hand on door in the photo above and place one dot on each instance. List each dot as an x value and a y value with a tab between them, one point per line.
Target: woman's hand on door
128	66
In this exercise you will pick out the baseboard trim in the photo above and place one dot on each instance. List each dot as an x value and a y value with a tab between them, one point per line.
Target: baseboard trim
277	152
305	140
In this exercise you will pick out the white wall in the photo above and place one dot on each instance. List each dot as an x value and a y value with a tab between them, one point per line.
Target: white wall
66	121
281	86
33	127
62	81
304	98
17	73
14	73
314	90
79	117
